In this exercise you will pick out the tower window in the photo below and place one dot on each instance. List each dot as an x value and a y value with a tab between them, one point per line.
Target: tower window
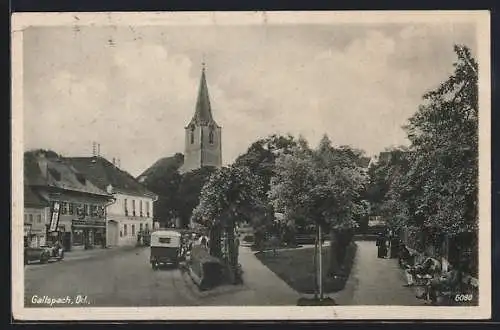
192	135
211	136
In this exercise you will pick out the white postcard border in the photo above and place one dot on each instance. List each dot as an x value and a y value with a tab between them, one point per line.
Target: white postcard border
21	21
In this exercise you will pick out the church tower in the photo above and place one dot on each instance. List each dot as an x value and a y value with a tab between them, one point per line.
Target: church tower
203	145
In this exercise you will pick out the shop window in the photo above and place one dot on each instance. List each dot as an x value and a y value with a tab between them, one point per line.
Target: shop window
133	230
78	237
125	230
39	218
31	218
71	208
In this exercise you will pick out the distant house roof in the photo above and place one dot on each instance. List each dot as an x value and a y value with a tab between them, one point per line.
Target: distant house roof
31	198
161	166
41	169
103	173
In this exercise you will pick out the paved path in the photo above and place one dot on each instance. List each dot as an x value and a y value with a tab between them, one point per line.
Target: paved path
375	281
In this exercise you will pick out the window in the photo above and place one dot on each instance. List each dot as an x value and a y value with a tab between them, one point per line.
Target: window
192	135
125	230
64	208
71	208
25	218
31	218
125	205
147	209
133	207
140	227
133	230
147	227
85	209
211	136
140	208
164	240
39	218
121	233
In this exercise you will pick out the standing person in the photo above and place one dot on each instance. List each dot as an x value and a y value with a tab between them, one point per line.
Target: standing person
380	245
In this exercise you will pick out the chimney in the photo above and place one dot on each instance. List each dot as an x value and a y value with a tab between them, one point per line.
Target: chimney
118	163
114	161
98	150
94	149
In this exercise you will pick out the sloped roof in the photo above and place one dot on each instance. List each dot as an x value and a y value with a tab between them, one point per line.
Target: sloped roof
103	173
203	112
31	198
161	165
40	170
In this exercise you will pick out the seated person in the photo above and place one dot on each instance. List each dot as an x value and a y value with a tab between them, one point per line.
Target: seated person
448	281
429	266
405	257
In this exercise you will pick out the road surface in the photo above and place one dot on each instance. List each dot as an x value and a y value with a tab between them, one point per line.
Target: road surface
118	280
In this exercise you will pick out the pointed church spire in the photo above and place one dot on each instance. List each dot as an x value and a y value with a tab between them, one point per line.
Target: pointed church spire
203	112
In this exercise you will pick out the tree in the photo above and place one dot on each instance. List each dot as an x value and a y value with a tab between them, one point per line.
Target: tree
324	186
437	192
163	179
261	156
189	189
231	195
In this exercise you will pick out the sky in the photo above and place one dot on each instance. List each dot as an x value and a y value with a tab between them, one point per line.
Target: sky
133	89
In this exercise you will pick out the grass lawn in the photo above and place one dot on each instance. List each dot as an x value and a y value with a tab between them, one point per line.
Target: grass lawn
296	268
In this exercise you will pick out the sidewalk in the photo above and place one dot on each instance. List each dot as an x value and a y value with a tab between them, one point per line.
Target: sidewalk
375	281
260	287
96	252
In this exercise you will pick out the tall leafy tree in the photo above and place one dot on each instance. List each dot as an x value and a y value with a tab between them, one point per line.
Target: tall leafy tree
232	195
437	192
324	186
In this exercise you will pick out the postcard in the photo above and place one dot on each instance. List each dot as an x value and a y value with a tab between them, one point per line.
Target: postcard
251	165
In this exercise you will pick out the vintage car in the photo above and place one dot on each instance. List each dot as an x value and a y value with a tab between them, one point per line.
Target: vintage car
38	254
165	248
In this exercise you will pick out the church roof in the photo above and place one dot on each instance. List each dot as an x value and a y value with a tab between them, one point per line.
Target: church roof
203	112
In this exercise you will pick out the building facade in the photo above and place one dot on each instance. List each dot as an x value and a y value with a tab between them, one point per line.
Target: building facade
36	212
203	136
131	213
75	215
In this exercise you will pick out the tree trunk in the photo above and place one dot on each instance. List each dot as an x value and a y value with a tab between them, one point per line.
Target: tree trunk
232	256
333	264
215	248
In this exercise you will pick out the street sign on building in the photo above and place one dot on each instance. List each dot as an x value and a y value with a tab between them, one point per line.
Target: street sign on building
54	220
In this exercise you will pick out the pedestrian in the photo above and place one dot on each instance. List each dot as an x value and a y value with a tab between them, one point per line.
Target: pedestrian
380	245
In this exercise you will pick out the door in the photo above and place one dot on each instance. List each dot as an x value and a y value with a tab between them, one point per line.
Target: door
112	234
